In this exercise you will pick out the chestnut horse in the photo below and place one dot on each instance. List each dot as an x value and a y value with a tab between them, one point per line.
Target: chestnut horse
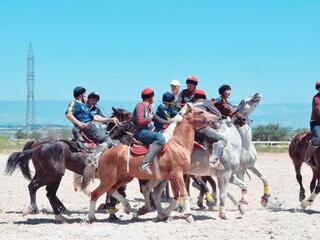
297	149
118	167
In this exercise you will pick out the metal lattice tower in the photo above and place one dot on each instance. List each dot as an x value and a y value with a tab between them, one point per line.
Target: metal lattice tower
30	112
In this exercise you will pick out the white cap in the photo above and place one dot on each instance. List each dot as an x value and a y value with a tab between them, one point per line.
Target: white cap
175	83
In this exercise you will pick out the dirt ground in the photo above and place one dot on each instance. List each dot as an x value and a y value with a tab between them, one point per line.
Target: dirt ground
282	219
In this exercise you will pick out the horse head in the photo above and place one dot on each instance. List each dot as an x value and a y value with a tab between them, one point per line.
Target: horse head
123	132
248	105
200	118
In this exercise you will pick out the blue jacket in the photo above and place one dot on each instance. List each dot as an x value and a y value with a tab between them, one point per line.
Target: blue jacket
164	113
80	111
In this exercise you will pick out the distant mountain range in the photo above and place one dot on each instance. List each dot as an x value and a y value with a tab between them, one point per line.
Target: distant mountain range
12	113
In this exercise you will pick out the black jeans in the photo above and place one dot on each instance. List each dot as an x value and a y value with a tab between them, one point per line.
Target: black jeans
95	134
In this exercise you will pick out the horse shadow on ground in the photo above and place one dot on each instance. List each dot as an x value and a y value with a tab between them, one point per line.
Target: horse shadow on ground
38	221
295	210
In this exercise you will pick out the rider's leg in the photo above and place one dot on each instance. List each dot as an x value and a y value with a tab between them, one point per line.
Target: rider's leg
156	140
313	146
212	136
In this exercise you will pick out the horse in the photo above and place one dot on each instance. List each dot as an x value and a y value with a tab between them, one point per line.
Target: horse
50	158
117	166
200	166
297	150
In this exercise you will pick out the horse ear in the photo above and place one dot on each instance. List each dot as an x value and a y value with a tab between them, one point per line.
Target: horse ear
114	110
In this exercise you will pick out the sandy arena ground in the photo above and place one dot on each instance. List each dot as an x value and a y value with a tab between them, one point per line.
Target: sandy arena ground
282	219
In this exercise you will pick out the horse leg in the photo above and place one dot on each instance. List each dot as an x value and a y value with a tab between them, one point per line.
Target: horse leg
214	189
113	203
33	186
313	181
266	190
146	189
179	183
101	189
121	197
236	181
223	182
308	202
297	166
156	196
174	201
52	189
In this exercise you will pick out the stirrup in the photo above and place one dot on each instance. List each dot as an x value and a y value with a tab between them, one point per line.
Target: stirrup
145	168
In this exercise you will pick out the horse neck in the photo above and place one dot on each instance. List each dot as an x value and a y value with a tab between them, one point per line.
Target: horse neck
184	135
246	133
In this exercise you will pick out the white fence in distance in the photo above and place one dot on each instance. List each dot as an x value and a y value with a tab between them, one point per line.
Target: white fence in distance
271	143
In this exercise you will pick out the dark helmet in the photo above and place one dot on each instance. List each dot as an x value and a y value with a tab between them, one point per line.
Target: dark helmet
77	91
168	97
224	88
147	93
94	95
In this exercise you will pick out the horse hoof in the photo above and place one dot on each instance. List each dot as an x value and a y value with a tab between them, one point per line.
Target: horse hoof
242	209
302	197
143	210
189	218
127	209
91	219
30	210
211	204
265	200
305	204
102	208
113	218
162	218
222	216
60	219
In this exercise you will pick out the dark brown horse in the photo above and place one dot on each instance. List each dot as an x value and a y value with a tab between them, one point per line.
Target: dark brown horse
51	157
297	149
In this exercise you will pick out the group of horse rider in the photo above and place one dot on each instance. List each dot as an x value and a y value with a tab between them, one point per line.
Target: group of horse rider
83	112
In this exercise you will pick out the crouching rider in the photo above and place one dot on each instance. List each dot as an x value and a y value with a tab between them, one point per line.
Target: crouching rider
143	117
210	134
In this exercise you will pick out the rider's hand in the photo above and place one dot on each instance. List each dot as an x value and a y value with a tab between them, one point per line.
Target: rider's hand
151	115
83	126
115	120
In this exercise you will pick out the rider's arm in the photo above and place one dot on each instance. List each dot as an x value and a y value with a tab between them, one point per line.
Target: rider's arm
141	111
100	119
316	102
71	117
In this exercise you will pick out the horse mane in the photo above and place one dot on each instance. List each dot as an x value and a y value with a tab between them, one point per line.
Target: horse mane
71	144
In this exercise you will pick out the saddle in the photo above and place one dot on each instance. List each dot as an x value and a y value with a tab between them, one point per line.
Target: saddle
138	148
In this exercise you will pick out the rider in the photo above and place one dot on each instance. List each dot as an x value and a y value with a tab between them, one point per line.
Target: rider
209	134
142	118
187	95
78	113
165	110
92	101
315	128
175	88
225	93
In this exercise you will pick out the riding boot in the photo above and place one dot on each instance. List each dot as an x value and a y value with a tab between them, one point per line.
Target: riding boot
309	155
217	152
154	149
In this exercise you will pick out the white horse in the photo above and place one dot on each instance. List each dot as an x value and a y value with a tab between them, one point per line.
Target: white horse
248	155
200	166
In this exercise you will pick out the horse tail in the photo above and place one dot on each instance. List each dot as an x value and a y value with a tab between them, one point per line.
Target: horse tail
28	145
20	159
88	176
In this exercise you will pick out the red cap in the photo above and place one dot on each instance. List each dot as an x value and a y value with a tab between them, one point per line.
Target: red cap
200	94
192	80
318	85
147	93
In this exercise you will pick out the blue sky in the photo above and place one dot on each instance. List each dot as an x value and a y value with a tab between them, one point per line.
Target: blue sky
120	47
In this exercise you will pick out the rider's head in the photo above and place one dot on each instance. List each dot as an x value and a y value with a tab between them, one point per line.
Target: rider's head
225	91
93	99
168	98
199	94
192	83
79	93
175	87
147	95
318	85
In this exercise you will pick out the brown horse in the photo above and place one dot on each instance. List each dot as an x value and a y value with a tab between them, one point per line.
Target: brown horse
117	168
297	149
51	157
